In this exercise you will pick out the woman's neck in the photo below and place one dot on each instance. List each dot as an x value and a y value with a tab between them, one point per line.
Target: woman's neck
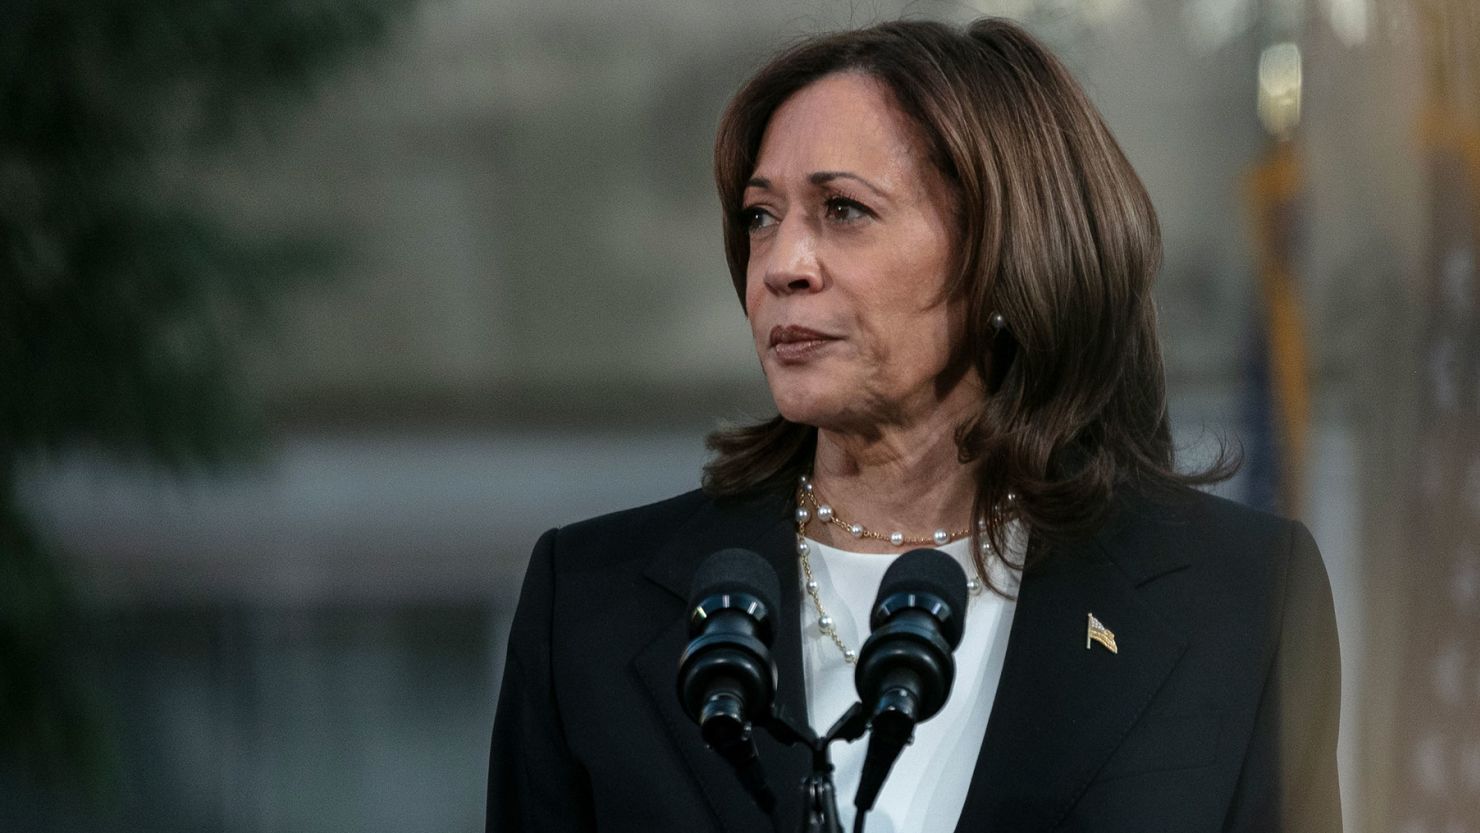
909	480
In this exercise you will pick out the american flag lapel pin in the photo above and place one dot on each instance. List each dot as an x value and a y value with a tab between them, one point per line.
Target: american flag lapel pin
1097	632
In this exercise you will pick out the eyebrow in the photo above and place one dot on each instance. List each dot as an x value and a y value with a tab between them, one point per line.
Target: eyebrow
818	178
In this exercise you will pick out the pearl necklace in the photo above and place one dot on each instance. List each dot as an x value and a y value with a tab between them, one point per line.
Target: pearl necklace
809	506
807	503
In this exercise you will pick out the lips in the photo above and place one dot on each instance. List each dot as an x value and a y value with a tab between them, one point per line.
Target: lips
792	344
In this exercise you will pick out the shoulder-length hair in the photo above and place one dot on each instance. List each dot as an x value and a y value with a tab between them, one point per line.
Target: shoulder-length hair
1057	234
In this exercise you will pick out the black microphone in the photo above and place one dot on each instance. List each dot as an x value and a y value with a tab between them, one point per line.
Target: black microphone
726	677
905	669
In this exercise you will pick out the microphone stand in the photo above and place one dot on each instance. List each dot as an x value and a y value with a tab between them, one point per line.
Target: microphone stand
819	797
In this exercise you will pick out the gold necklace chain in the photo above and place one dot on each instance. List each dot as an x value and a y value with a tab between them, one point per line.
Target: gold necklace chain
809	506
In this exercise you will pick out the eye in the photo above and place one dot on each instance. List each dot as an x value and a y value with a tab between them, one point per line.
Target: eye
756	218
844	210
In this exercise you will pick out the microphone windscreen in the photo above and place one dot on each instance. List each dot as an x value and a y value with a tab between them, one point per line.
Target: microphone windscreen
935	573
737	571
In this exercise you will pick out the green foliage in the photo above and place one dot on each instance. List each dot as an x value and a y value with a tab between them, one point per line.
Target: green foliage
122	307
125	305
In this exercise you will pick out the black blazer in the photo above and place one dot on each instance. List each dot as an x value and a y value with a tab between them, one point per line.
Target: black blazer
1219	712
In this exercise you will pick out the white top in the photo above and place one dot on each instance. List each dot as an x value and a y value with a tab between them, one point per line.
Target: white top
927	787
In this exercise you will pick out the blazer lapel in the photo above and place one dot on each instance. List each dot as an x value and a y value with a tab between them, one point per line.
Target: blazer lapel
1061	709
762	525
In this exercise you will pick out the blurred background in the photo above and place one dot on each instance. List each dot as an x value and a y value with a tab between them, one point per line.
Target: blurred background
315	313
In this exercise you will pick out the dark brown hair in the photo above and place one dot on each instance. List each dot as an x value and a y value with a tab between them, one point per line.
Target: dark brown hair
1056	233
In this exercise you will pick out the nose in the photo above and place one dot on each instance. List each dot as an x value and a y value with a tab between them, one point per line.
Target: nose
791	263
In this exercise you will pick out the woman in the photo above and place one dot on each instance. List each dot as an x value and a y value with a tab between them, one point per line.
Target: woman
946	262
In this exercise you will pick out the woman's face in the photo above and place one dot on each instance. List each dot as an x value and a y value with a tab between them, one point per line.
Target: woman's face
851	236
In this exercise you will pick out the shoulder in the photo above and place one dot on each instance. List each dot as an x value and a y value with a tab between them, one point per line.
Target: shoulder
636	529
1171	528
691	522
617	536
607	552
1175	513
1215	552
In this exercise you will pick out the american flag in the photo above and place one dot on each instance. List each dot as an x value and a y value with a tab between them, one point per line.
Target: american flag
1276	414
1437	708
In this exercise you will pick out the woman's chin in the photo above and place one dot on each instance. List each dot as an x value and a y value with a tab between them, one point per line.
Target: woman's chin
812	407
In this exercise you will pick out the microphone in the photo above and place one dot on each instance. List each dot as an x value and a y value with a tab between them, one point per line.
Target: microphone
726	677
905	668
